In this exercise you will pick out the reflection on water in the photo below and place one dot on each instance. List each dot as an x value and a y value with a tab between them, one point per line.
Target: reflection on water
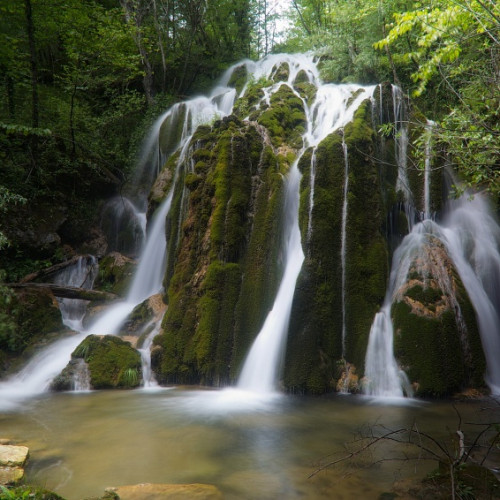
249	447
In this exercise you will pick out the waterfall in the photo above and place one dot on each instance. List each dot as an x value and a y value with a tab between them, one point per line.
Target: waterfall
262	364
427	169
344	242
334	106
312	179
81	274
471	237
36	376
401	149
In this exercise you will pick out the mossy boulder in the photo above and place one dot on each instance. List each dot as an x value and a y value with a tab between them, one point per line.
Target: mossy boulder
112	362
436	340
238	78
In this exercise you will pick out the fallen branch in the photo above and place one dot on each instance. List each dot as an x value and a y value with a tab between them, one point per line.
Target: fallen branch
67	292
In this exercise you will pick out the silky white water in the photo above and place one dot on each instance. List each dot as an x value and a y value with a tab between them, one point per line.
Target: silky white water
343	242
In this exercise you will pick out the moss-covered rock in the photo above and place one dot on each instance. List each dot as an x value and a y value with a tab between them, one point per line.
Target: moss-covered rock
238	78
115	273
224	272
30	315
319	314
436	338
112	362
285	118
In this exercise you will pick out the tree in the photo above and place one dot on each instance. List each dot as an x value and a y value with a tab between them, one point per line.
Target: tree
455	53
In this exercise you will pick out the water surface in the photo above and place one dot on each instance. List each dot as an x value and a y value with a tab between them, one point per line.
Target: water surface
250	447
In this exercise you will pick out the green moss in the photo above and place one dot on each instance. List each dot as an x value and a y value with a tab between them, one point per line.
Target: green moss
426	295
206	277
315	338
238	78
27	491
429	350
248	103
115	273
192	180
29	315
112	362
306	90
281	72
285	118
439	355
261	266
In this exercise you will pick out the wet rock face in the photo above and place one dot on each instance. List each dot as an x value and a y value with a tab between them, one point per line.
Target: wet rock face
115	273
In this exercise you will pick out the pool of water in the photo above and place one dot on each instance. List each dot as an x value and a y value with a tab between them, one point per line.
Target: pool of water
249	446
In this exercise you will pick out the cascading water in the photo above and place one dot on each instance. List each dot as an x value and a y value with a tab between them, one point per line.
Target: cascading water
330	111
401	152
261	366
81	275
38	373
471	237
343	244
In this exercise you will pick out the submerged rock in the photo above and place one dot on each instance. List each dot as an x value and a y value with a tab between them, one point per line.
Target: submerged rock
149	491
12	460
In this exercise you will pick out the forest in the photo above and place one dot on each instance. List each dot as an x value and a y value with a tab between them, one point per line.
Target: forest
180	179
82	80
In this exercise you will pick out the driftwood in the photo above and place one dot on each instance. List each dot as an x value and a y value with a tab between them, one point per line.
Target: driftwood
52	269
67	292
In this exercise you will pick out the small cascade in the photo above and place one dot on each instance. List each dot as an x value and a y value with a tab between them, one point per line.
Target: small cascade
124	226
472	237
145	350
427	169
343	245
383	377
81	274
312	179
401	149
81	377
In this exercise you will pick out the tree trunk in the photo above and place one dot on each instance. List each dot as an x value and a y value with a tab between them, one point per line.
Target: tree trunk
30	28
67	292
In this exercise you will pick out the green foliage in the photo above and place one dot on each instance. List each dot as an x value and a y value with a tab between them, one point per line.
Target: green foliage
27	492
453	53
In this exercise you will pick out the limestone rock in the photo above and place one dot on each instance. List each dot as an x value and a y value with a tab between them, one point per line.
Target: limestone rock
11	475
149	491
12	460
13	456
